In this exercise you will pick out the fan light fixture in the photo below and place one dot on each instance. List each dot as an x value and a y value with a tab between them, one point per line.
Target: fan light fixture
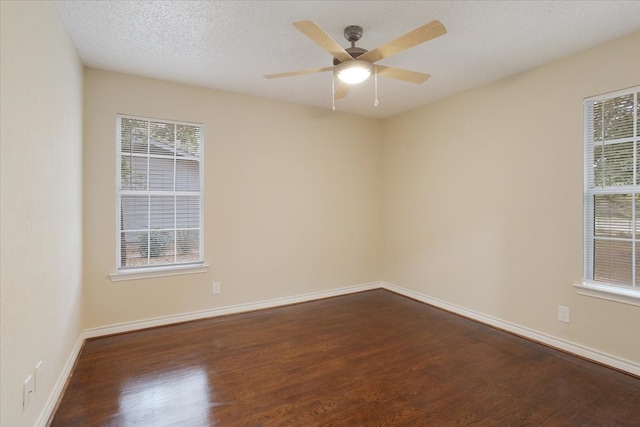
353	72
354	64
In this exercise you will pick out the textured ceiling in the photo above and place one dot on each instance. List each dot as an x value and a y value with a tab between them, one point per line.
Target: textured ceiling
229	45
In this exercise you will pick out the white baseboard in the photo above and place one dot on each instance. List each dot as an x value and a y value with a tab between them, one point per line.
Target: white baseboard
177	318
568	346
221	311
58	388
586	352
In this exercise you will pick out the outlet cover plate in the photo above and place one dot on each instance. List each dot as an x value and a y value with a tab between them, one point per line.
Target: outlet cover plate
563	314
29	388
37	380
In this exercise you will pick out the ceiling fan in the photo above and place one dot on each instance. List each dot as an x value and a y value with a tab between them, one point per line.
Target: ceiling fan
354	64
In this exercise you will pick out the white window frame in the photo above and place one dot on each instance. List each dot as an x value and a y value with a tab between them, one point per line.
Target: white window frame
627	294
149	271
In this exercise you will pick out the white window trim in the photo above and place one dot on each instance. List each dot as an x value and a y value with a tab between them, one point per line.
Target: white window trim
124	274
160	271
607	291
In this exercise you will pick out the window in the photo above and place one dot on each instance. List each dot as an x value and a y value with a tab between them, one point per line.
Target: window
159	194
612	192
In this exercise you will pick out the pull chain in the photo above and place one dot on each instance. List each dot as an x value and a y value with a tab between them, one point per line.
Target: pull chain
333	93
375	77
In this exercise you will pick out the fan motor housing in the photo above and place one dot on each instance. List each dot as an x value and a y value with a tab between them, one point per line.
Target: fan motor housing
353	51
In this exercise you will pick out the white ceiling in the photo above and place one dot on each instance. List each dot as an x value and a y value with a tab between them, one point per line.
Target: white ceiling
230	45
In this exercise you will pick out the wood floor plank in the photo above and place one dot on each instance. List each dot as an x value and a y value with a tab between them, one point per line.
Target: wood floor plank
372	358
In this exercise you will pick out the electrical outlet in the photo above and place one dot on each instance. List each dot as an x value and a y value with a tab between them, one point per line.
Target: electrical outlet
563	314
27	392
216	288
37	379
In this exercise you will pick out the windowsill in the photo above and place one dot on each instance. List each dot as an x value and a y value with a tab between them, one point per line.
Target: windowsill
610	292
147	273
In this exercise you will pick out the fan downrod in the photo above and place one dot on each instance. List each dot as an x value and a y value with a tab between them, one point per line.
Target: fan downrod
352	33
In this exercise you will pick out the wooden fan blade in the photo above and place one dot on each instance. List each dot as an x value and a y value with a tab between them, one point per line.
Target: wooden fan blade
413	38
400	74
341	91
297	73
322	39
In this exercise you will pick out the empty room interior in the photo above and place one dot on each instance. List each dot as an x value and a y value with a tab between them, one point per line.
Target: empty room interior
458	228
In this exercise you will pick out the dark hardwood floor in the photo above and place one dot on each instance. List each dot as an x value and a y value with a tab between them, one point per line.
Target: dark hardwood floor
368	359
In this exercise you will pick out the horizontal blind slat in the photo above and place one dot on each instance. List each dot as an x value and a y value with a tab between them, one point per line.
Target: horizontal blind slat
159	184
611	188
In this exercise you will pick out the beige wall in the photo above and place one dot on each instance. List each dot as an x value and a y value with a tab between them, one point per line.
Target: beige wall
41	199
483	199
475	200
292	199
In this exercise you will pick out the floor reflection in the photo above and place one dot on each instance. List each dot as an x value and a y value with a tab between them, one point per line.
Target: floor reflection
180	397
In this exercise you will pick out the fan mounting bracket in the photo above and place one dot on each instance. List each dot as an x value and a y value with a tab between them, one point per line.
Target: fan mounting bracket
353	33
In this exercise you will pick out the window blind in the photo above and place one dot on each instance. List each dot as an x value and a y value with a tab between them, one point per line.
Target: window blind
159	192
612	189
